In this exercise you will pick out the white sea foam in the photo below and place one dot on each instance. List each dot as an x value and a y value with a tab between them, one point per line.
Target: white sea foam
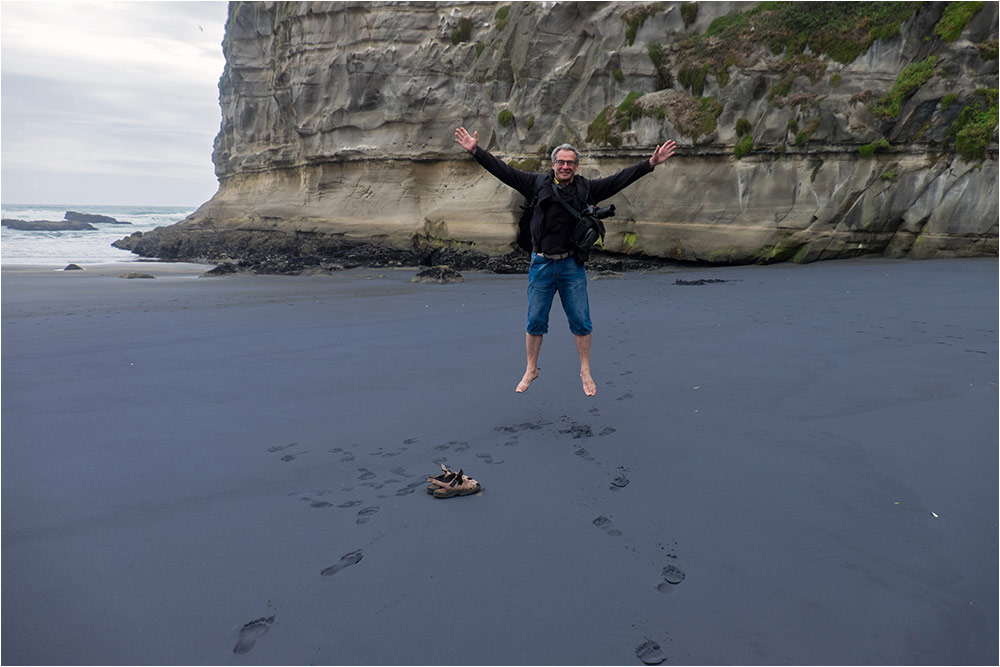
90	246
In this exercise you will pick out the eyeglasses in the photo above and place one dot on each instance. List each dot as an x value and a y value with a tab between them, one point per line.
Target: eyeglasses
565	163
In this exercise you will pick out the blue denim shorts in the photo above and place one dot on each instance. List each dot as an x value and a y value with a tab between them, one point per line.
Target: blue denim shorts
569	279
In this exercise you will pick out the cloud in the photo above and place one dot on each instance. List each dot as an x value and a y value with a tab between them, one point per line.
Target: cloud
112	89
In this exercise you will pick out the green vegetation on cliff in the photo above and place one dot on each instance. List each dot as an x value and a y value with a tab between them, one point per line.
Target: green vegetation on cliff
974	127
689	13
954	19
803	31
743	147
869	150
635	17
501	17
462	32
909	81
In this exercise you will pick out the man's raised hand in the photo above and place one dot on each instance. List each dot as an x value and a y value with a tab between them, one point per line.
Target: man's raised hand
467	141
662	153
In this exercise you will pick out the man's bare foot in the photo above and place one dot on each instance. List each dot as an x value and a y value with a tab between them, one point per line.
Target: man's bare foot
529	377
589	388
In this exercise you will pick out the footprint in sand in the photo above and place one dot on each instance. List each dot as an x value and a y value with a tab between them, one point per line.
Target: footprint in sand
650	652
410	488
584	454
251	632
621	481
347	560
672	575
604	523
530	426
350	503
365	473
579	430
607	430
488	458
624	396
278	448
365	515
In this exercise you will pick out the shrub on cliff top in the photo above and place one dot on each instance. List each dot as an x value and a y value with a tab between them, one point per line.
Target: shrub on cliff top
954	19
909	81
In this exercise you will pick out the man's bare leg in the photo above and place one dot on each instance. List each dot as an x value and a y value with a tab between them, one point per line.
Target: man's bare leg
583	348
532	344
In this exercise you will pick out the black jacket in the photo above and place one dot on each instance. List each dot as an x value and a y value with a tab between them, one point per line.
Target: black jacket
549	228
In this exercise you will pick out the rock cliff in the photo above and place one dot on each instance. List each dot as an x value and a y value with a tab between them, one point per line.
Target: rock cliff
806	130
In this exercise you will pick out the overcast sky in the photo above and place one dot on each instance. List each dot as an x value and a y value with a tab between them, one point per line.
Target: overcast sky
109	102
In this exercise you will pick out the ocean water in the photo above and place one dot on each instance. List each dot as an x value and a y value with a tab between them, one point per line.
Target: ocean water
80	247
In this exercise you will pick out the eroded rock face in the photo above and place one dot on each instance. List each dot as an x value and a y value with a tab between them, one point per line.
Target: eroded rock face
338	123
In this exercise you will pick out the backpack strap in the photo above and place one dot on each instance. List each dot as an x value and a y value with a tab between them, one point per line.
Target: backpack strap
524	240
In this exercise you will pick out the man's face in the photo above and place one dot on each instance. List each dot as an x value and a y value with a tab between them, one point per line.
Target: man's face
565	165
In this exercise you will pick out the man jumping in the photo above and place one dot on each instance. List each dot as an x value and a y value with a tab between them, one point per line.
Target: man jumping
554	267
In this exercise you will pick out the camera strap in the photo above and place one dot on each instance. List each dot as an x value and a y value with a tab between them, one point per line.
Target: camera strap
572	211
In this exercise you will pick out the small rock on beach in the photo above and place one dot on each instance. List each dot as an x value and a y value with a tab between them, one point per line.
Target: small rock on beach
438	274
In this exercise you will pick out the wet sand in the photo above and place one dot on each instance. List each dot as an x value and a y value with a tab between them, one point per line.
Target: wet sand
798	465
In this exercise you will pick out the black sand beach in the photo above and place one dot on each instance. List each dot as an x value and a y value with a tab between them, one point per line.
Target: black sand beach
798	465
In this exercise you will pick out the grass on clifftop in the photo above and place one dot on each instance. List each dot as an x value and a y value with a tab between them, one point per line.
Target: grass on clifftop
840	30
803	31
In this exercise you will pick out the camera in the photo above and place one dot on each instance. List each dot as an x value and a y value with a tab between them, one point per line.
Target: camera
601	213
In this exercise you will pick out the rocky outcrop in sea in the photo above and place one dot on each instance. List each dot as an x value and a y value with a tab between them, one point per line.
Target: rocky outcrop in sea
806	131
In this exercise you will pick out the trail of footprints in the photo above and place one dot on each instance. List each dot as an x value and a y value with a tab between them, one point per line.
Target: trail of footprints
364	477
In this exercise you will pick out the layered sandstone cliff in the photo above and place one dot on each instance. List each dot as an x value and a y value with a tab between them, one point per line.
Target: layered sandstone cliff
803	135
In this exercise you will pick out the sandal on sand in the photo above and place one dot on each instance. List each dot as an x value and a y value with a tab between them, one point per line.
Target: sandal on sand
464	490
459	486
447	475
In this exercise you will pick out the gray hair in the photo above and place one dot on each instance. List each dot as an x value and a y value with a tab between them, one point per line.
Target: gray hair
565	147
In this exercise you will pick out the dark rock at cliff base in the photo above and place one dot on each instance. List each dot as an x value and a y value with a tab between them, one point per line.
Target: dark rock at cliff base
131	275
46	225
438	274
73	267
291	253
75	216
226	269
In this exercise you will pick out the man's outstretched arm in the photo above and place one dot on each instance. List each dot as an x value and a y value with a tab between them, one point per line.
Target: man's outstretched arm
602	188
